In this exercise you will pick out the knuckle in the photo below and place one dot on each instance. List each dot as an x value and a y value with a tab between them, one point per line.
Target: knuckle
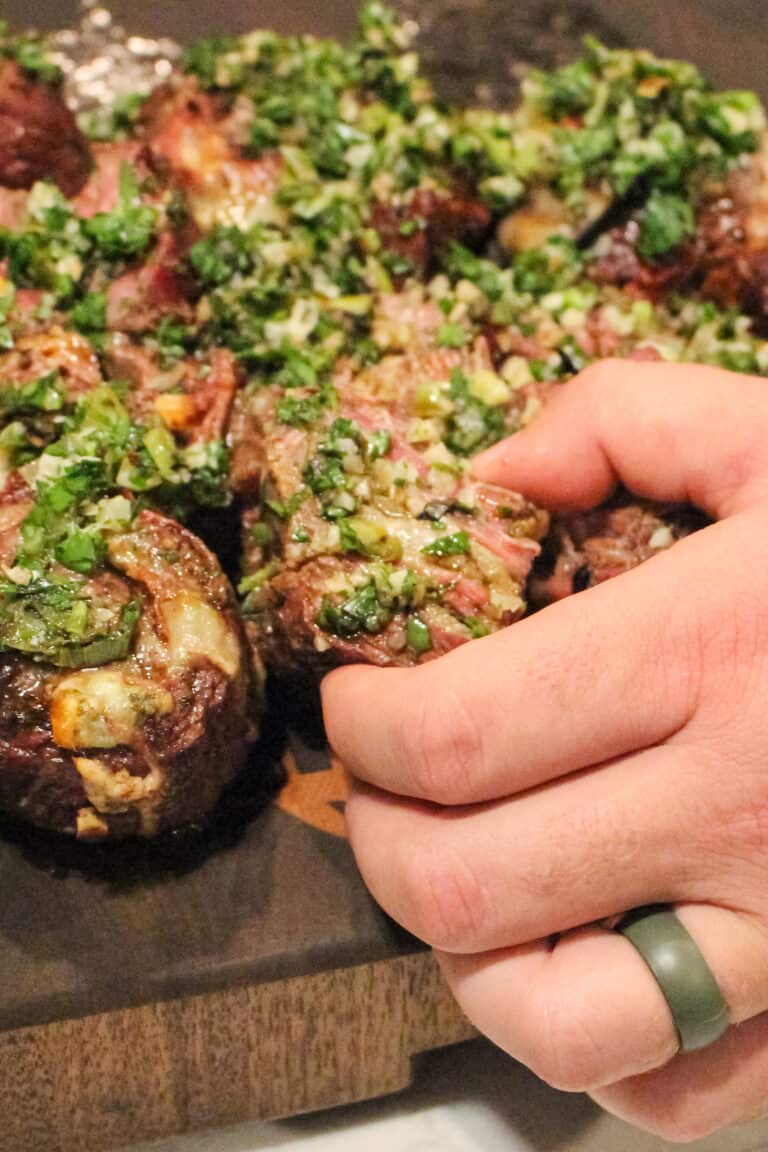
541	876
739	831
445	748
605	842
751	826
332	689
672	656
365	841
547	675
359	824
722	777
735	650
725	636
443	900
599	378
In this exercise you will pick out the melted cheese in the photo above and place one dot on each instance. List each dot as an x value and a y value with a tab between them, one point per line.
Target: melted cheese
110	791
196	630
103	707
91	826
176	410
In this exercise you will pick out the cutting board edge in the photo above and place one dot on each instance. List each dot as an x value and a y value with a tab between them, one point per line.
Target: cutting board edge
259	1052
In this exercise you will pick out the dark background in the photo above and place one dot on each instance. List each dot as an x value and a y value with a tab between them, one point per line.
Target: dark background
471	42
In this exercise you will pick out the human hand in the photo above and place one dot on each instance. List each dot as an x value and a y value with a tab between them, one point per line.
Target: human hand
607	753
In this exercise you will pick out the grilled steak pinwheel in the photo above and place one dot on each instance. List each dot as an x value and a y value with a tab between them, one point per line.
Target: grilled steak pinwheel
124	694
125	683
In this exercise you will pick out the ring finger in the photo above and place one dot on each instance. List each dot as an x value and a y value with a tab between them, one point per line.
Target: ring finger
586	1012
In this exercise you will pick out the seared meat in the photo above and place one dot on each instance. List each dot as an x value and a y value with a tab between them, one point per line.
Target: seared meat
726	260
128	701
188	133
724	255
142	297
585	550
42	378
372	546
193	398
39	137
101	192
143	743
55	352
422	227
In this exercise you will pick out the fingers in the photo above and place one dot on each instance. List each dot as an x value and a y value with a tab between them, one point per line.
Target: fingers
587	1012
589	678
700	1093
469	880
578	1014
666	431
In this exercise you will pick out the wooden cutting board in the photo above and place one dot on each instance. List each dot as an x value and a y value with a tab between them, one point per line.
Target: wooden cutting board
245	972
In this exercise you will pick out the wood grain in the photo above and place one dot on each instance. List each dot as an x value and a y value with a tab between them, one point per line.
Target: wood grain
261	1052
262	896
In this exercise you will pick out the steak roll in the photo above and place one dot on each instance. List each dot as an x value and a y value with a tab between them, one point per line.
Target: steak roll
127	688
125	698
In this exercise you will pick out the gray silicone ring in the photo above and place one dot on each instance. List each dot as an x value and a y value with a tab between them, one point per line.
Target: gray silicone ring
690	989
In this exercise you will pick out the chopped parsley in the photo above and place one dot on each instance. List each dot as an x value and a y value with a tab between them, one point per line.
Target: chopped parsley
59	622
30	55
89	315
472	425
372	605
127	231
42	395
451	336
457	544
627	116
666	221
361	611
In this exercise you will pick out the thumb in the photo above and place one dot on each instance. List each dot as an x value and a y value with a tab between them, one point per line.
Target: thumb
669	432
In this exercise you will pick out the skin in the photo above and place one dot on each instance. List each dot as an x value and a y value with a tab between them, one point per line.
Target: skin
607	753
